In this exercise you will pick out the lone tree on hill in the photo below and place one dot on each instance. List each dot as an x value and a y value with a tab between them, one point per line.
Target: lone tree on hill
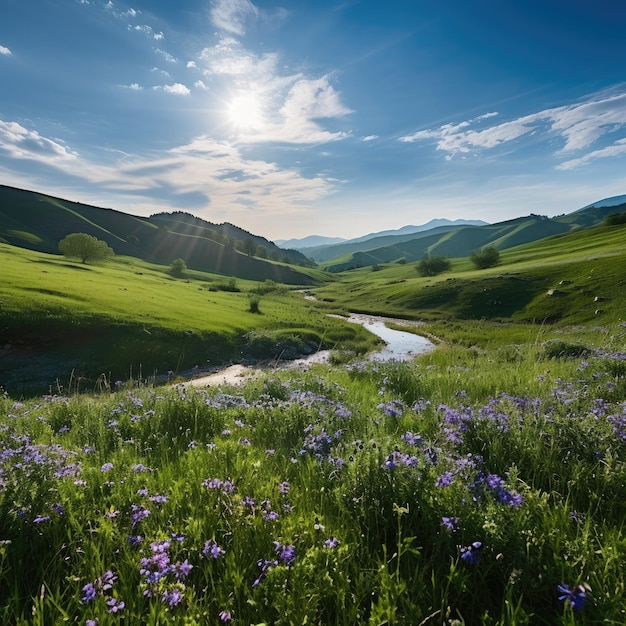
178	267
85	247
433	265
487	257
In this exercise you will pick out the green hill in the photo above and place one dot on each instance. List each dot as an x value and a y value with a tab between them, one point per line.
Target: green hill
573	278
38	222
457	242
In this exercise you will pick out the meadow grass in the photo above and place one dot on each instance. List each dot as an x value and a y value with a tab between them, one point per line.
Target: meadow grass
461	488
113	321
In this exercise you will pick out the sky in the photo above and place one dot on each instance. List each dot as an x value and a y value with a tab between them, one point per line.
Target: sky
340	118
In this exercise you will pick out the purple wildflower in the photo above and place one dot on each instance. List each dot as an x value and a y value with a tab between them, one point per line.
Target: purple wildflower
89	593
172	597
212	549
286	553
107	467
445	480
471	554
225	616
115	605
265	567
182	570
331	543
575	596
138	513
451	523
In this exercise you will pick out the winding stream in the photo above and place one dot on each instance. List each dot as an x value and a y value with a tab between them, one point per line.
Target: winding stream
400	345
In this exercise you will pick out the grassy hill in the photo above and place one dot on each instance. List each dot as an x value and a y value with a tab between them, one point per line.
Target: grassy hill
38	222
455	242
573	278
71	323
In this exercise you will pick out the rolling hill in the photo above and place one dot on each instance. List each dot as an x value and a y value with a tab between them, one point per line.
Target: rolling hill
38	222
462	241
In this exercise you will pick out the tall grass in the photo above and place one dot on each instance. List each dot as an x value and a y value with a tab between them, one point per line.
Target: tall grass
462	488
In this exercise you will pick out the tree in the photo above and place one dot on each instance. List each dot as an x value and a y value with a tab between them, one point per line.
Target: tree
85	247
487	257
433	265
178	267
249	247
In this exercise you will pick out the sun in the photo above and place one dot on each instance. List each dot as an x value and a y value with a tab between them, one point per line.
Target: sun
244	112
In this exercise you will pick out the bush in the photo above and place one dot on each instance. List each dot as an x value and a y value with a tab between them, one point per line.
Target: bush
558	349
254	304
178	268
487	257
431	266
85	247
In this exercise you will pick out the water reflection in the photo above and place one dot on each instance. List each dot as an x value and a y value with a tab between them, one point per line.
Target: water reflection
399	344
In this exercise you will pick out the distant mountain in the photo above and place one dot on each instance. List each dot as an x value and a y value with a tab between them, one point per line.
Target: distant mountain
315	243
410	230
38	222
307	242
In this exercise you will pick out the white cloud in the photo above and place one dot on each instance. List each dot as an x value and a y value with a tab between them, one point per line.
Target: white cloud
232	15
158	70
203	168
200	85
290	106
369	138
5	51
21	143
134	87
578	125
228	57
177	89
166	55
616	149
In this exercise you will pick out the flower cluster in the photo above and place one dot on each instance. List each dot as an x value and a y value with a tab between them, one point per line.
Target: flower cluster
103	586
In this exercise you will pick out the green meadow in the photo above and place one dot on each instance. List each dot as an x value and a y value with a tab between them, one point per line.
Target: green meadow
483	482
129	319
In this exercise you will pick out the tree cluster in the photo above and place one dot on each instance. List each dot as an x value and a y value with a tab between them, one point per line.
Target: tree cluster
615	219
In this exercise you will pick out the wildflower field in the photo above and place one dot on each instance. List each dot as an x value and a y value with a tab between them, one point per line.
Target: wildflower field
457	489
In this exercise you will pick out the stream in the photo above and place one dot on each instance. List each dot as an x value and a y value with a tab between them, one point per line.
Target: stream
400	345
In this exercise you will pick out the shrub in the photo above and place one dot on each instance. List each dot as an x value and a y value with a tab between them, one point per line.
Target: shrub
178	268
562	350
433	265
254	304
487	257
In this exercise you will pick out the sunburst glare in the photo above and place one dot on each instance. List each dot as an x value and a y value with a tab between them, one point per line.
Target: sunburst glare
244	112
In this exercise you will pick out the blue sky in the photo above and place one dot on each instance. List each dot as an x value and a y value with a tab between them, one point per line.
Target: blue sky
335	118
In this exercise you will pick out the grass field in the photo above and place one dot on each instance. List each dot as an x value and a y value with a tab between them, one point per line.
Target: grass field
64	319
482	483
458	489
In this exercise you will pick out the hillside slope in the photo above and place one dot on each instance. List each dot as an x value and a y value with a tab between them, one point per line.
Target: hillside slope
465	240
38	222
